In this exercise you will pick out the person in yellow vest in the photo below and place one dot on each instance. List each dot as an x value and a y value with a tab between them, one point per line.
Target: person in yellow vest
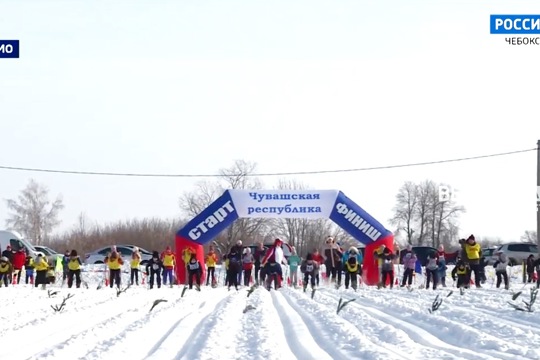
42	266
74	269
51	276
6	269
473	253
134	265
211	260
115	262
29	268
169	262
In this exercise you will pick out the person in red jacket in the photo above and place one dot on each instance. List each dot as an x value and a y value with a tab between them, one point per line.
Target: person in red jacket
319	259
19	259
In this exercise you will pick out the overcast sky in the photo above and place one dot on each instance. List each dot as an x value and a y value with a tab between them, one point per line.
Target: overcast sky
187	87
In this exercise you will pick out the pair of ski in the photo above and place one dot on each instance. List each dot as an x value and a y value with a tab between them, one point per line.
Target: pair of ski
313	290
197	287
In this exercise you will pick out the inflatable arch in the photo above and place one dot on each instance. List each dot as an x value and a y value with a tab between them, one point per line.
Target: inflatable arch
310	204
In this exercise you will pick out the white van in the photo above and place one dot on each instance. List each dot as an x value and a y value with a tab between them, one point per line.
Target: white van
13	238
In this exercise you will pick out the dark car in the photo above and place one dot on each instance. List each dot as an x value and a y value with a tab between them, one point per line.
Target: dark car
422	253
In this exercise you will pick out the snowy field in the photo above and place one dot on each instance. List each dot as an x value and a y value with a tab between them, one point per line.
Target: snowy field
287	324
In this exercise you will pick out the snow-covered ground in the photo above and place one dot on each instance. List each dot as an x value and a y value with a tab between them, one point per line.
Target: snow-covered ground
285	324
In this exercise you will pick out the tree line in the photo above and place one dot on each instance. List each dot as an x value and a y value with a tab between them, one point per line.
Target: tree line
419	215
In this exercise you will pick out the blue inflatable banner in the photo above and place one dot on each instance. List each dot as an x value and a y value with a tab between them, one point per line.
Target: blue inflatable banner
356	221
213	220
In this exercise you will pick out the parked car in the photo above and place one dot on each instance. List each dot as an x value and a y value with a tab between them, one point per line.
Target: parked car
489	254
49	253
16	241
98	256
517	252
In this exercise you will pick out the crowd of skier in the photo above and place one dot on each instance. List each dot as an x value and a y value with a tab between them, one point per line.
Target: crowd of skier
265	266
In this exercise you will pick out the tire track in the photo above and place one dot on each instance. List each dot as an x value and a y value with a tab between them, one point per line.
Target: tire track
425	337
343	332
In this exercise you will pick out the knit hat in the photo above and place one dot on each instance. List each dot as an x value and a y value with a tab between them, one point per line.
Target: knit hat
471	238
309	256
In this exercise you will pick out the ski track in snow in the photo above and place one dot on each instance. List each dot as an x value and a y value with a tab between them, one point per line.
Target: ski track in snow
78	338
381	334
338	337
434	330
286	324
299	337
261	335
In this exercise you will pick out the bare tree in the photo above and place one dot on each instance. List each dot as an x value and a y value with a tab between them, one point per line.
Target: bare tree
423	207
33	214
529	236
194	202
405	209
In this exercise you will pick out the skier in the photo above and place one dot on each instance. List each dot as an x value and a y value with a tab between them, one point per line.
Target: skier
333	255
194	270
317	257
115	262
19	258
432	270
154	268
310	269
211	261
29	268
409	264
169	262
387	268
74	266
41	267
272	263
352	259
500	269
529	267
259	255
134	266
247	266
461	273
6	269
234	266
294	261
65	269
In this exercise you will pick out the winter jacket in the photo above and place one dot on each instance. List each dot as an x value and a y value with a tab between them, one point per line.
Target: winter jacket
41	264
259	255
234	261
318	259
29	264
378	255
460	269
441	269
6	267
114	262
432	262
247	261
168	259
19	258
473	252
333	256
154	266
294	262
530	264
274	255
9	254
387	261
74	263
194	266
309	267
409	261
211	259
359	257
501	263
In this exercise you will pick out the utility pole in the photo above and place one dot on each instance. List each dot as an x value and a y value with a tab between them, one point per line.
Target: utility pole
538	195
